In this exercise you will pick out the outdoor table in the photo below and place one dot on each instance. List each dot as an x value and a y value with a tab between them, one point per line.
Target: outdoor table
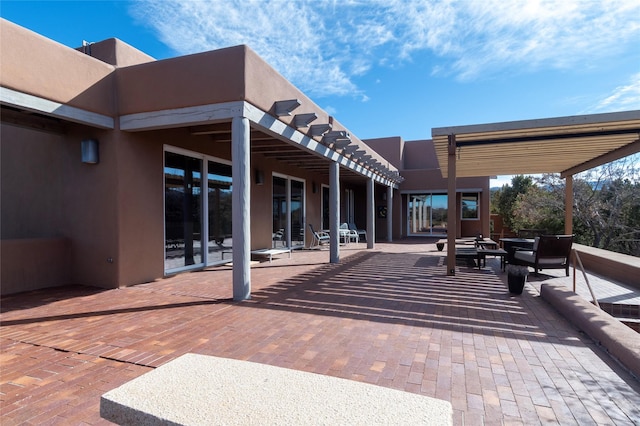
483	253
468	253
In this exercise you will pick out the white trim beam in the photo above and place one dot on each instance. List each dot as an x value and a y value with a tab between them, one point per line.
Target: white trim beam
180	117
36	104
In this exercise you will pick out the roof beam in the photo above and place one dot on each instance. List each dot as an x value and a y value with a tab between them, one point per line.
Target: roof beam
319	129
625	151
303	120
283	108
593	120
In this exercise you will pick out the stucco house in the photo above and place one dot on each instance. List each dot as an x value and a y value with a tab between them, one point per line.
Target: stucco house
119	169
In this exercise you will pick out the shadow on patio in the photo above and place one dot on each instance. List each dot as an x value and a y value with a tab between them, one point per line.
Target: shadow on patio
390	317
407	289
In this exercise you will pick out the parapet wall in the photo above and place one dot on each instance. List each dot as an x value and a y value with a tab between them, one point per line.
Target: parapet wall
618	339
617	267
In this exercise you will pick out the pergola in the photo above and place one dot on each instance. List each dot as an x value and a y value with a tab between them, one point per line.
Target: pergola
565	145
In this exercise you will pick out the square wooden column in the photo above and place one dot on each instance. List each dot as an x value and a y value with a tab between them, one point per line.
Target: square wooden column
451	207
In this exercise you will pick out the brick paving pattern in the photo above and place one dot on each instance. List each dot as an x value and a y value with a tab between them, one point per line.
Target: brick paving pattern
388	316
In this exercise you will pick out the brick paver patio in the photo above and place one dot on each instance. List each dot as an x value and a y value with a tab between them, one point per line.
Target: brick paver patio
388	316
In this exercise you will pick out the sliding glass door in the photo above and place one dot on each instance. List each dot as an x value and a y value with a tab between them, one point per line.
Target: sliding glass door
193	239
427	214
297	213
219	207
288	211
279	212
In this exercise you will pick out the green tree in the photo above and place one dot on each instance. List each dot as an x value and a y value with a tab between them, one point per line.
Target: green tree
606	212
542	206
505	198
607	206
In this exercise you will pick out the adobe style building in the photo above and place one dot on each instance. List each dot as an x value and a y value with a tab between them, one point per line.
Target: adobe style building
119	169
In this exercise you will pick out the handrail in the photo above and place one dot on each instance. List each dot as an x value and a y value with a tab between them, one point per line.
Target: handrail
577	258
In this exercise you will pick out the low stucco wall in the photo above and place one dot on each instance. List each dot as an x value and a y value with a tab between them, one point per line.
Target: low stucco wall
618	267
619	340
31	264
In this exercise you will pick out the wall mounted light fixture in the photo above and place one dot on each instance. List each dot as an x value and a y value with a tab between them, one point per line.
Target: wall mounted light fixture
259	177
90	153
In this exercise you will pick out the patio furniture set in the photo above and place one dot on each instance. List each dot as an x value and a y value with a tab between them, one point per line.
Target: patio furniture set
476	248
348	232
543	252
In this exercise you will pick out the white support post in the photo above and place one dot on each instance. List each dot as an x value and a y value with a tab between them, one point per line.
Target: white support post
389	214
414	211
334	212
241	206
371	216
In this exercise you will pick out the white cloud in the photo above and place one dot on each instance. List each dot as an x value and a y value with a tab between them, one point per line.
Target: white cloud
331	110
623	98
323	46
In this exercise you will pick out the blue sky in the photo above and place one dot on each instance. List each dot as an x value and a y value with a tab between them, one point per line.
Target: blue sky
392	67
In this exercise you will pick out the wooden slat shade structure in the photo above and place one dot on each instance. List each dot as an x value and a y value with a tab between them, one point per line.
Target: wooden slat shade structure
553	145
565	145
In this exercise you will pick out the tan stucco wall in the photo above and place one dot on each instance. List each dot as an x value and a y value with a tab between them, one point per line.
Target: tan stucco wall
419	155
199	79
32	190
391	148
49	193
264	86
41	67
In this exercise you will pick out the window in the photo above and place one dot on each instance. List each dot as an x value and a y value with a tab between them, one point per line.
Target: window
470	206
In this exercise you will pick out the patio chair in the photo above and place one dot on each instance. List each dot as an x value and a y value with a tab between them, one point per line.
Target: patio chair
319	238
549	252
362	234
349	234
279	236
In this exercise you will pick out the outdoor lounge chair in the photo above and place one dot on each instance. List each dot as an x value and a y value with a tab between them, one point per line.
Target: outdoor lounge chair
319	238
549	252
362	234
